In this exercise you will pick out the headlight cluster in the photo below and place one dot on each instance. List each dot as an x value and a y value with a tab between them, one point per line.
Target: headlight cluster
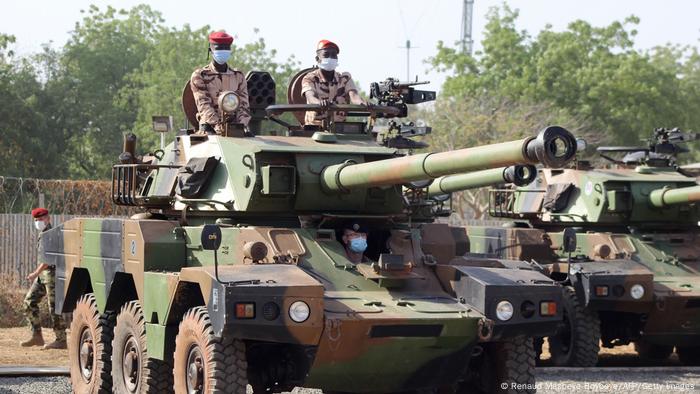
636	291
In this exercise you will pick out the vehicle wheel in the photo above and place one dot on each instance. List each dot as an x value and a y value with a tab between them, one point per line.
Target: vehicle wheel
133	371
503	363
652	351
689	355
90	348
204	363
577	343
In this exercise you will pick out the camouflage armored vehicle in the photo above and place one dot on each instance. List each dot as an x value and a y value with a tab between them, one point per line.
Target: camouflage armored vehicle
635	273
234	274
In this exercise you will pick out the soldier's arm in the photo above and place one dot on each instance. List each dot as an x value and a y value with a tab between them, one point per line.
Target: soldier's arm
307	90
353	95
41	268
205	106
243	111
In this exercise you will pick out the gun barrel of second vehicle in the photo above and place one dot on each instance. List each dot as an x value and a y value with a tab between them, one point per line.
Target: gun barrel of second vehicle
519	175
665	196
554	147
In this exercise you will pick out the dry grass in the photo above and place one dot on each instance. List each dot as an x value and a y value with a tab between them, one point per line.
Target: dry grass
11	303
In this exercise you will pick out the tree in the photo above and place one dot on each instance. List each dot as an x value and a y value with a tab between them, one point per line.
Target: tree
592	72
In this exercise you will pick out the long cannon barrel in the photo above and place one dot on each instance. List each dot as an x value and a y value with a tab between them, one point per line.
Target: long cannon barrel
554	147
519	175
665	196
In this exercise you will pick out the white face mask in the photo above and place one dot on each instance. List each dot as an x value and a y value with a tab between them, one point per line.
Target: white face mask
221	55
328	64
40	225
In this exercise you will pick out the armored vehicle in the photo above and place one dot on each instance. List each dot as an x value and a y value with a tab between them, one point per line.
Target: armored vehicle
634	275
235	274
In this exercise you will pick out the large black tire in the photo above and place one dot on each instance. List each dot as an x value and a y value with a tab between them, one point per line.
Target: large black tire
577	343
204	363
689	355
91	335
132	370
538	343
503	367
652	351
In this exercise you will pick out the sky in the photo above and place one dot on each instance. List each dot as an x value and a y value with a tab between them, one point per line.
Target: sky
370	33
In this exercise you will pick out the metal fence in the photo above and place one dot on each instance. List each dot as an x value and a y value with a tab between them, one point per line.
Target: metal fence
18	243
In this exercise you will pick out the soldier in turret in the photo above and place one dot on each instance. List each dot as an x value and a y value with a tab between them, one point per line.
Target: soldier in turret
325	86
43	280
210	81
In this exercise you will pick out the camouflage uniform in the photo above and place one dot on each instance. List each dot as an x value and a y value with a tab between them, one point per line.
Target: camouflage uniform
207	84
336	91
44	284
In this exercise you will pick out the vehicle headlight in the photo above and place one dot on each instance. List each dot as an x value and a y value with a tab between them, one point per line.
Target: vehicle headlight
504	310
637	291
299	311
228	102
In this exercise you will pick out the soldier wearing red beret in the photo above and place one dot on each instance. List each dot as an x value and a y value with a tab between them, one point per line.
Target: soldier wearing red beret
210	81
326	86
43	284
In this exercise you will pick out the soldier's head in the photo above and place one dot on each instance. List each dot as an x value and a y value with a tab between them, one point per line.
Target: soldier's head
327	55
220	46
354	237
41	218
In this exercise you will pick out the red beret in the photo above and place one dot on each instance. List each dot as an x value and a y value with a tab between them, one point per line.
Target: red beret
39	212
323	44
220	37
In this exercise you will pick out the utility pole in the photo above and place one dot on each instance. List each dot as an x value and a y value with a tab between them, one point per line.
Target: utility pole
408	48
466	33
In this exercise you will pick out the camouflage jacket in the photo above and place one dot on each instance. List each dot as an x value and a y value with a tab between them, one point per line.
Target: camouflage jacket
207	84
336	91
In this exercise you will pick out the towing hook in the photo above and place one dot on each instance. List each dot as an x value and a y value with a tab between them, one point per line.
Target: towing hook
485	329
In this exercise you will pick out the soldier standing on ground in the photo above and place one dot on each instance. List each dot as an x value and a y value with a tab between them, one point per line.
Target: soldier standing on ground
43	283
208	82
325	86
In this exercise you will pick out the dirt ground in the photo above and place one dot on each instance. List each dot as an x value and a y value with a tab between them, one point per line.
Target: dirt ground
13	354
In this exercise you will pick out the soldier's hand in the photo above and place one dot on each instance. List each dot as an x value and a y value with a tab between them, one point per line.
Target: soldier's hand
32	276
324	103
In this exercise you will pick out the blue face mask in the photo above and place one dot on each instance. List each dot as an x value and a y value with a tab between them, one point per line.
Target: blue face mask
358	245
221	55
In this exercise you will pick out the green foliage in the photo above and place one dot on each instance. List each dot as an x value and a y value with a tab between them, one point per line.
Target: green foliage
594	73
64	111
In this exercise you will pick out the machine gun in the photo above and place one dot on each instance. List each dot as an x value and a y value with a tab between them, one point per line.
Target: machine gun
661	150
393	93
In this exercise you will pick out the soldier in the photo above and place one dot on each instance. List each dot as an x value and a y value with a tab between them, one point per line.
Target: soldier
355	241
44	282
326	86
208	82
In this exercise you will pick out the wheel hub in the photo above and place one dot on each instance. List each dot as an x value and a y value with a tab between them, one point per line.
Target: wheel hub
195	371
131	364
86	354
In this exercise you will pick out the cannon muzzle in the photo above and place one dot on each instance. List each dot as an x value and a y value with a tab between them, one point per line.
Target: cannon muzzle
666	196
519	175
553	147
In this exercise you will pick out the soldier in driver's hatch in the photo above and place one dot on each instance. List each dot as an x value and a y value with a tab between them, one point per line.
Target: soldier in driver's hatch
325	86
208	82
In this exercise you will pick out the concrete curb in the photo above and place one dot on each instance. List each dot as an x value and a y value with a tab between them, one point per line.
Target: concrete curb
24	370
